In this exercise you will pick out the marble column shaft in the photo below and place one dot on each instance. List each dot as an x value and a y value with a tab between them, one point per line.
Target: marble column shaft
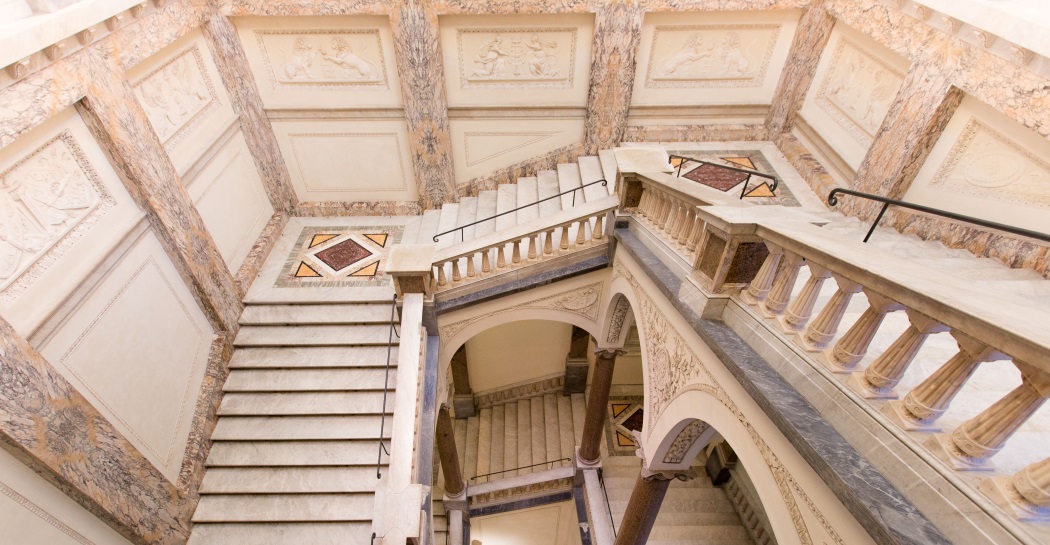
617	33
811	39
52	428
642	509
601	383
916	119
446	443
122	129
240	84
417	48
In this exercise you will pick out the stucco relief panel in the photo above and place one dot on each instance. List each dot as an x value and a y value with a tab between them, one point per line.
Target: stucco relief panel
516	57
696	56
323	57
857	90
177	96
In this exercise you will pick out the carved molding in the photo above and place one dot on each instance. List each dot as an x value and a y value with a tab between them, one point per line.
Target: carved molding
517	57
43	515
324	58
857	90
685	441
178	96
711	56
48	201
986	164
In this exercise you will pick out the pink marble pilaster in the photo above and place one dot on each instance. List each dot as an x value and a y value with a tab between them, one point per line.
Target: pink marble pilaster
810	40
617	33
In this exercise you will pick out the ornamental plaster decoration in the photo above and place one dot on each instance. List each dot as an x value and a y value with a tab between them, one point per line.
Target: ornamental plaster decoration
323	57
685	441
177	96
857	90
619	317
43	515
710	55
516	57
582	301
48	200
986	164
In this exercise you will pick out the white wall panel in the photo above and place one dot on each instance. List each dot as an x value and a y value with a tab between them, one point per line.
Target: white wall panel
481	146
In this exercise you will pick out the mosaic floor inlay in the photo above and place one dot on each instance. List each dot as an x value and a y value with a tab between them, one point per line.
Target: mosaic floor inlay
339	256
626	414
758	192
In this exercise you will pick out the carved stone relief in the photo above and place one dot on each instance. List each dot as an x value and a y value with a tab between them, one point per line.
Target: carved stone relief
985	164
710	55
685	440
323	58
857	90
619	316
516	57
48	200
177	96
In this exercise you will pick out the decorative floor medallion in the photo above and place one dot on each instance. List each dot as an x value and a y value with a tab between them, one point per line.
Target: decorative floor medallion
626	414
339	256
758	190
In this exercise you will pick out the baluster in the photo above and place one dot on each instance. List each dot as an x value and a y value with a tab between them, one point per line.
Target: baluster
921	408
879	379
563	242
970	446
661	216
486	267
852	347
674	218
548	244
799	311
686	228
470	266
758	289
1026	494
598	228
516	254
581	233
694	238
823	328
501	257
534	242
643	203
455	271
784	282
442	281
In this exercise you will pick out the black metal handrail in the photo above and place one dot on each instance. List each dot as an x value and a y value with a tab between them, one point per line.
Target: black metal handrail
608	506
552	462
750	173
573	191
886	202
386	388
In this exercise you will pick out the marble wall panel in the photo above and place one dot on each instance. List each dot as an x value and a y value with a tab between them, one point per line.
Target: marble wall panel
334	62
712	58
856	82
182	93
617	31
484	145
144	377
62	208
348	160
230	198
983	157
811	38
517	60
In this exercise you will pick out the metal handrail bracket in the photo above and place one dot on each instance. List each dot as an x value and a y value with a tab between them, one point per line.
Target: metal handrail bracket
386	388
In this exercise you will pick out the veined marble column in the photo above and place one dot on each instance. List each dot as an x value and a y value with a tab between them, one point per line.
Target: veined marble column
878	380
811	39
852	347
921	408
121	127
617	32
258	133
646	498
823	328
916	118
418	52
978	439
601	382
1026	494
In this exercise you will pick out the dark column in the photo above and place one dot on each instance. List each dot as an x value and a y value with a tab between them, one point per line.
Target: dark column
601	382
642	509
462	397
446	443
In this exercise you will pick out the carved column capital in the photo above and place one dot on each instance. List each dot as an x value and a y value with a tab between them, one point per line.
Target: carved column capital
609	353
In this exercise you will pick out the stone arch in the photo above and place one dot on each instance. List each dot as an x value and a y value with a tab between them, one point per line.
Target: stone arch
617	321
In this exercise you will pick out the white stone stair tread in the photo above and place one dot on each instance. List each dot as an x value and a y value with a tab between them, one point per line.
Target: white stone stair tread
294	453
313	335
486	209
285	507
706	494
591	171
316	314
428	226
727	532
608	160
260	294
303	428
506	200
547	185
568	179
315	403
447	222
306	380
289	480
285	533
411	232
671	505
311	356
468	213
527	193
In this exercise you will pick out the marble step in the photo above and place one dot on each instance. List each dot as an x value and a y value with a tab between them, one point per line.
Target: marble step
294	453
527	194
470	460
688	534
312	403
591	171
674	505
609	168
622	461
615	481
552	427
285	508
428	227
312	356
447	222
524	447
690	519
510	439
539	433
569	178
286	533
486	209
496	441
506	200
704	494
579	414
289	480
713	541
308	380
314	335
303	428
547	185
317	314
483	465
468	213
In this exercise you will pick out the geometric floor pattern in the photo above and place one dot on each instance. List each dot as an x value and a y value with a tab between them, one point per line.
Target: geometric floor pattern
626	414
758	190
339	256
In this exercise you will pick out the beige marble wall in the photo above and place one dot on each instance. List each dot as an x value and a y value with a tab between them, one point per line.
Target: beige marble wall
811	37
694	133
617	33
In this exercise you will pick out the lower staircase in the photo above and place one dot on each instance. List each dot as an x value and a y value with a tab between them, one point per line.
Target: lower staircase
296	443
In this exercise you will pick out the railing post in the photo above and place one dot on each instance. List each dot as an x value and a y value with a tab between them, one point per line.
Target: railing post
879	379
823	328
798	312
852	347
784	282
